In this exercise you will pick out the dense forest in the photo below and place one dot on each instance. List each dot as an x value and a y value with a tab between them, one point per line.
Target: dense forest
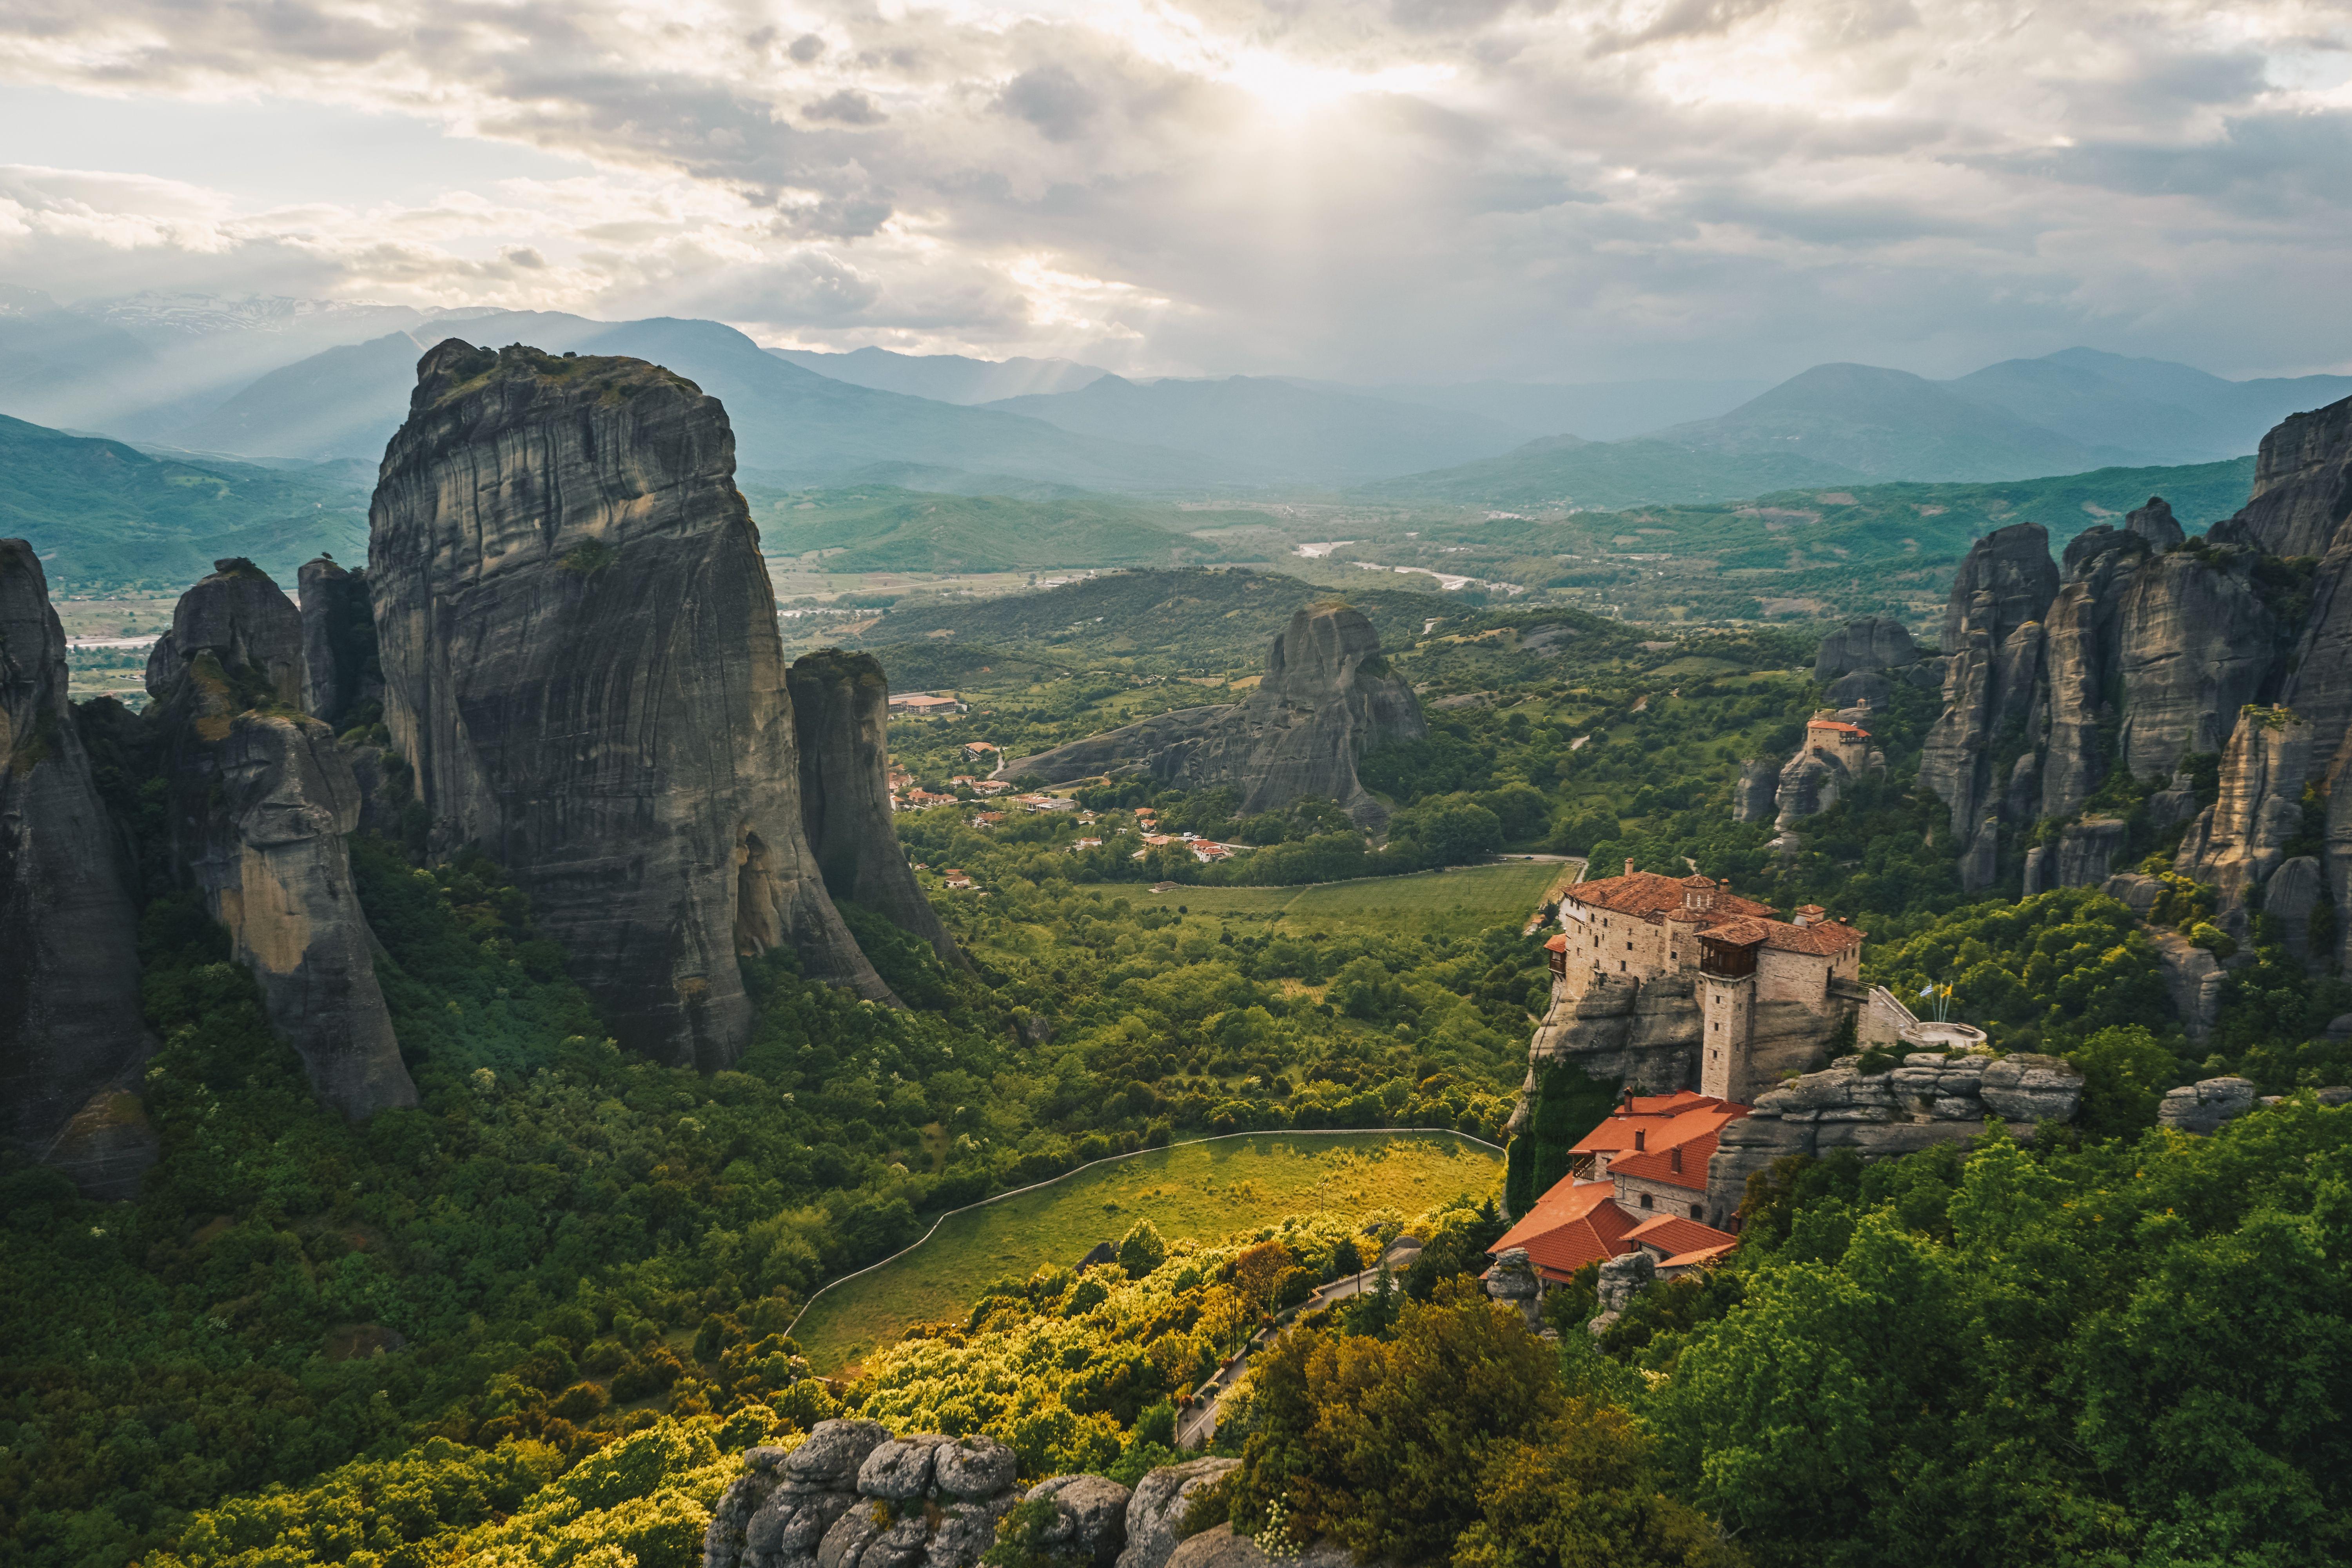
533	1319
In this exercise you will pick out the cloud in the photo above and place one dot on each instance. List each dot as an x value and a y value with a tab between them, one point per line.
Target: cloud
1375	188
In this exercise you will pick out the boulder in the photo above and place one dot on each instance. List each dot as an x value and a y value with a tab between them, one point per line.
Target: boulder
71	1033
899	1469
2029	1088
1155	1513
971	1468
1513	1282
581	660
2200	1108
2192	982
853	1497
1089	1518
2289	897
1326	698
1625	1276
835	1452
2135	890
1220	1548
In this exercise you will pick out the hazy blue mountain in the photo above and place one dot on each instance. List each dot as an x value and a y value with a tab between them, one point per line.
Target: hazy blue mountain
1587	475
1598	411
788	419
99	512
883	529
1890	424
2172	413
947	378
1299	432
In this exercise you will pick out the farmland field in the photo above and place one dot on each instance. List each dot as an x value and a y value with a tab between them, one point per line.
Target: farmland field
1438	903
1204	1191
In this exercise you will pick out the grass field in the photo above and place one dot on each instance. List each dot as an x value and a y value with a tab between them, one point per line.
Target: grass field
1440	903
1204	1191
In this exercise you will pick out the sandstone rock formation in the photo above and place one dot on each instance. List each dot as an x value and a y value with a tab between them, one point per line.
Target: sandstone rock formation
260	801
71	1033
1873	642
841	716
1155	1514
2192	982
1220	1548
1326	698
2238	841
1512	1282
1930	1098
581	662
2202	1108
1089	1524
338	642
2303	486
1755	794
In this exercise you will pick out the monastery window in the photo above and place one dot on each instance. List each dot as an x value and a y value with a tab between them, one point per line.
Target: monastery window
1648	1202
1675	1160
1694	1211
1640	1137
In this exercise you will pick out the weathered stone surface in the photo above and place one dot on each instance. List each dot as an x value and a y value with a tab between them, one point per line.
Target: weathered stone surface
2087	849
841	714
2288	900
106	1146
899	1468
1755	794
835	1452
581	660
2029	1088
1808	786
2302	485
1326	698
2039	870
1155	1514
2237	842
2194	644
260	803
2135	890
2192	982
339	657
1860	686
1513	1282
2156	523
1645	1037
70	1029
973	1467
1981	859
1872	643
2006	580
2201	1108
1625	1276
1089	1518
2172	806
1220	1548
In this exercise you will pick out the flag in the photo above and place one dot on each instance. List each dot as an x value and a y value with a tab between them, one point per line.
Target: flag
1928	989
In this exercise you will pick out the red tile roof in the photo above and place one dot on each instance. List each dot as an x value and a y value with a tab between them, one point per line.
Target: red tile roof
1657	1164
1664	1120
1574	1224
1673	1235
1826	939
1834	724
1700	1258
1647	894
1558	944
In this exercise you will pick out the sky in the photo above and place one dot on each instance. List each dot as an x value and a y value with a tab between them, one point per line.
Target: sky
1410	190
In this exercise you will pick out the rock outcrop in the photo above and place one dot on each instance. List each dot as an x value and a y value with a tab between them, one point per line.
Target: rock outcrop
1930	1098
1089	1524
851	1495
1872	644
2303	486
1326	698
339	657
581	662
71	1038
1155	1514
841	705
2237	842
2192	982
1513	1282
2202	1108
260	802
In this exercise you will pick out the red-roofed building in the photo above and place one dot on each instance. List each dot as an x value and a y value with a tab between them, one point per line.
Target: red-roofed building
1574	1224
1679	1246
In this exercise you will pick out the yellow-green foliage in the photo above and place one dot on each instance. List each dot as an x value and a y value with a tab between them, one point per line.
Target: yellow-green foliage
1057	1365
642	1501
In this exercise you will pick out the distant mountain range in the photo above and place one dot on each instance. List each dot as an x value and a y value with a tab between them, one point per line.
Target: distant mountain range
247	379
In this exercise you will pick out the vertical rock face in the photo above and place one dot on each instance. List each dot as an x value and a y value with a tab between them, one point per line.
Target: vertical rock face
338	642
1755	794
2006	580
580	661
69	1023
1326	698
2195	644
2302	485
1873	642
260	803
2240	840
841	705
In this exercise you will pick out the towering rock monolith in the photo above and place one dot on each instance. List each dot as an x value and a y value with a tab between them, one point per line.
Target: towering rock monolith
260	804
841	705
71	1038
1326	698
581	662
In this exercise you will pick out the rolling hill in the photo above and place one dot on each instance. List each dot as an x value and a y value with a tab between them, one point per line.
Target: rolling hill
888	529
2172	413
102	514
1279	428
1598	411
1587	475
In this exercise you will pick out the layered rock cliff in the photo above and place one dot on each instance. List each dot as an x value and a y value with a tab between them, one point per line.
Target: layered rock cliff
260	803
581	662
340	673
841	705
1326	698
71	1033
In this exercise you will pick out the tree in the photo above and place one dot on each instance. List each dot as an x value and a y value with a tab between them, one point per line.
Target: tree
2125	1070
1259	1272
1141	1250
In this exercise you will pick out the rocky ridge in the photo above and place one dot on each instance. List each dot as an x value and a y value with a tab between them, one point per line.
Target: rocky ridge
71	1037
1326	698
260	802
581	662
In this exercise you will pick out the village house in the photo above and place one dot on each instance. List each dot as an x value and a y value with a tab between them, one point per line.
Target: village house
986	818
980	751
918	798
1084	844
1639	1180
990	786
956	879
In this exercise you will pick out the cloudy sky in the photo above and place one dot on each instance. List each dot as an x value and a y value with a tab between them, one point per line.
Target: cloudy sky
1409	189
